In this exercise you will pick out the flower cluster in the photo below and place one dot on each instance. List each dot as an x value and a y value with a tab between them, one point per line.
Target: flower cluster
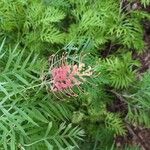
68	76
65	73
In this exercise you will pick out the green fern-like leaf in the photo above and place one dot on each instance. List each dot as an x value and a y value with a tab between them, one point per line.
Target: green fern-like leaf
139	102
26	108
121	71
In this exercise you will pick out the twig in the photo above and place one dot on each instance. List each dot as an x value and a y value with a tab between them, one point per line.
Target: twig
139	139
119	96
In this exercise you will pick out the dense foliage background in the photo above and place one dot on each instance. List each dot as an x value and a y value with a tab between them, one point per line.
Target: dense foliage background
116	99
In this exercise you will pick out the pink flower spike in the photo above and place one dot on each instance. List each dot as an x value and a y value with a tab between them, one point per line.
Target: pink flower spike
65	76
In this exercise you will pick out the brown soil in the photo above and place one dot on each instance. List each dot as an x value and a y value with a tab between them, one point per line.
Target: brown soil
135	136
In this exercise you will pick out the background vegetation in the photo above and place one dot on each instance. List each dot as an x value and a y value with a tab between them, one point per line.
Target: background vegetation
111	34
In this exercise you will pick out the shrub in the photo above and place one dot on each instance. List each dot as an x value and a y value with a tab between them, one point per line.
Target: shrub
64	64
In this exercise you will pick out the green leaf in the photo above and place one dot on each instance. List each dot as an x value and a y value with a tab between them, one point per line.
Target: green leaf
48	129
26	116
49	146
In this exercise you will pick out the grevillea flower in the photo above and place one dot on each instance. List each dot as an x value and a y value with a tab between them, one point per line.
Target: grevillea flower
65	74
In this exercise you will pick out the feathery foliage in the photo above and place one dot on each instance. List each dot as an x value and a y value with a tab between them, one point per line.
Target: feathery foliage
139	107
107	34
25	122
